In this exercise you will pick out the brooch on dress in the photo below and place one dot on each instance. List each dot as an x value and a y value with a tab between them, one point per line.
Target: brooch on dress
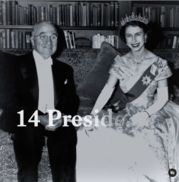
146	80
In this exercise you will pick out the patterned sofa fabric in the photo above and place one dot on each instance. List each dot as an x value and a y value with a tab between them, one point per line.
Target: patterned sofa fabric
82	61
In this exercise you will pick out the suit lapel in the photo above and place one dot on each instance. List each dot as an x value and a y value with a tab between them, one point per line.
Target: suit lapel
29	74
55	77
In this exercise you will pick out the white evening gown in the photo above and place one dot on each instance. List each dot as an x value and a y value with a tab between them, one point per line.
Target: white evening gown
127	154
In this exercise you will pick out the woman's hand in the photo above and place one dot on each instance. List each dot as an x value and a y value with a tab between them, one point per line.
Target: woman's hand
140	119
89	122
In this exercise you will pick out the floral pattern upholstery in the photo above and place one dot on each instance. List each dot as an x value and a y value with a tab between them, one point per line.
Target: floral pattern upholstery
82	60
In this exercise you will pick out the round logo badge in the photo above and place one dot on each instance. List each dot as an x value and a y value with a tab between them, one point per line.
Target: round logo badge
172	172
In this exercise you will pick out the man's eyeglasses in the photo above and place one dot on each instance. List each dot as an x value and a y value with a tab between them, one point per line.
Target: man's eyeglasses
46	37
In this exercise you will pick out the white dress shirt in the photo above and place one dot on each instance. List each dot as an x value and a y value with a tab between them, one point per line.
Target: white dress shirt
45	81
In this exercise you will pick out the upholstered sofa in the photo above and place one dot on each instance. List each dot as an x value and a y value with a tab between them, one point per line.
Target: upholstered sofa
87	65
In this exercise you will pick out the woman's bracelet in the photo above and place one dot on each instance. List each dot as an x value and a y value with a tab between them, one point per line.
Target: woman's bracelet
147	113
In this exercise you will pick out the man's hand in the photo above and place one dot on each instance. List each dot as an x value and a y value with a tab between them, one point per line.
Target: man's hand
140	119
44	120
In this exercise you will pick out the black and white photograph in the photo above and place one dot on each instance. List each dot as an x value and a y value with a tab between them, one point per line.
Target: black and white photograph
89	91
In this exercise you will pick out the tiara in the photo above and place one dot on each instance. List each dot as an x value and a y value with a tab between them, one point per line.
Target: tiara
134	18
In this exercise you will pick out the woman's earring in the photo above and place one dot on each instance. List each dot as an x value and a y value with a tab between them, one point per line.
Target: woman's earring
145	39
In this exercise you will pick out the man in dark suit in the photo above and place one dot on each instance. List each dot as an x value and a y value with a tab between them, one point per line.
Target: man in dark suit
45	84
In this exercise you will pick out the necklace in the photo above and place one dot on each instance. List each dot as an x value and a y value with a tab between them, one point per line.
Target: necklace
138	63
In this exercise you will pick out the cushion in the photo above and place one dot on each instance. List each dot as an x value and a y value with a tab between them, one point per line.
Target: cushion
9	78
95	80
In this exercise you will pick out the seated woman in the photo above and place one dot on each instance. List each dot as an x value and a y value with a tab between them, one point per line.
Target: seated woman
141	142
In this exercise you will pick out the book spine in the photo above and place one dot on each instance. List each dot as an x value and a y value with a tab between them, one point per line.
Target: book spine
8	38
162	17
43	15
102	14
16	40
98	15
154	19
80	13
177	15
112	14
70	40
4	39
76	14
84	14
30	14
63	14
20	15
4	12
54	14
172	17
8	13
71	14
51	14
174	45
73	38
27	39
48	12
66	39
39	18
67	15
1	46
150	13
34	18
105	14
12	39
13	12
1	16
134	9
19	40
26	14
87	14
94	16
177	46
109	14
90	14
116	41
116	16
58	15
17	15
23	40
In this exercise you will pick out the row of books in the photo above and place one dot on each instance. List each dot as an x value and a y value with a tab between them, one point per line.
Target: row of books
111	39
10	39
63	14
169	41
164	16
69	39
19	39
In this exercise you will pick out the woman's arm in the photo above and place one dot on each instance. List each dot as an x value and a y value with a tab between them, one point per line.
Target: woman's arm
162	97
105	94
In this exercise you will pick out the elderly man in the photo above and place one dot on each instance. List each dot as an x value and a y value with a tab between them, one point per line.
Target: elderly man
46	84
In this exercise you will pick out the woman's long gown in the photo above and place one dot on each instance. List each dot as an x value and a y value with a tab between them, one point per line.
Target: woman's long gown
122	153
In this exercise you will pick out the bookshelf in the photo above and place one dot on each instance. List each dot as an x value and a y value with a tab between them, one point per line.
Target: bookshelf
80	18
164	21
